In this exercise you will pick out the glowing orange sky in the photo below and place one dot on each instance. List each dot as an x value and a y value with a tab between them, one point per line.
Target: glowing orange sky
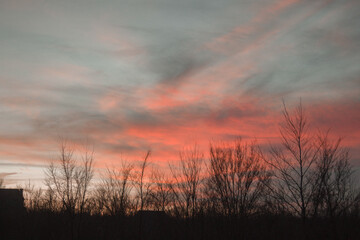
162	75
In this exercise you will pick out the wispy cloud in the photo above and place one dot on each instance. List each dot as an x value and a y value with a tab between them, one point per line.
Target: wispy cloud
131	76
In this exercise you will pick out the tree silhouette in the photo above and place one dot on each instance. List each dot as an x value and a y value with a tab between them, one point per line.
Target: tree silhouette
236	177
142	187
69	180
334	192
161	194
293	163
113	194
187	177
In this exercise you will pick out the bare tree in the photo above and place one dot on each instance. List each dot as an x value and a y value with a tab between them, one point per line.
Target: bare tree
50	202
334	190
161	194
142	187
38	199
293	163
113	194
187	176
68	180
60	178
33	197
237	177
2	185
84	175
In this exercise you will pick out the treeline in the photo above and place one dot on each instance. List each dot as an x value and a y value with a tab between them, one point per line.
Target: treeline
300	189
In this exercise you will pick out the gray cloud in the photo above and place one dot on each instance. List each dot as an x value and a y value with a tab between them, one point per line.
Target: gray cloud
94	72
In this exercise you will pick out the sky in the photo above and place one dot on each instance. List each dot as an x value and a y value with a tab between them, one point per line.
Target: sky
128	76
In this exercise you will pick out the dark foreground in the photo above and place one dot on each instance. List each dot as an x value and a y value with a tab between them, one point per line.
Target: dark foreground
48	225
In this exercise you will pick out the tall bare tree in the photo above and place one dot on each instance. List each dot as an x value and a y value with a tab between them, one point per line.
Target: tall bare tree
84	176
142	187
68	179
293	163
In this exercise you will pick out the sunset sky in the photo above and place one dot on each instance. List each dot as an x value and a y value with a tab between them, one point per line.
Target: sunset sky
134	75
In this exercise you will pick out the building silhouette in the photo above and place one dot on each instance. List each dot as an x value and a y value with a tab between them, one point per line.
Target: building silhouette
11	202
